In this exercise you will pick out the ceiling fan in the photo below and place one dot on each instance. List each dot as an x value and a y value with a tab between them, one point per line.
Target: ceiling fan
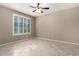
39	8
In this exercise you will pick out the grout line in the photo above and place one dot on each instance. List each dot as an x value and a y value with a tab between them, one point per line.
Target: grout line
58	41
54	46
59	49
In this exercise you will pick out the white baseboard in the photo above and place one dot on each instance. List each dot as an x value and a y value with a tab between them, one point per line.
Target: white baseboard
13	42
58	41
42	39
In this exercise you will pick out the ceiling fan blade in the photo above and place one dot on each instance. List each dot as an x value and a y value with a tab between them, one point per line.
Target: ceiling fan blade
32	6
38	5
33	10
46	8
41	11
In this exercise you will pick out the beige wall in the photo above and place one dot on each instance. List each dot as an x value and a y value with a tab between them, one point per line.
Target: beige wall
61	25
6	26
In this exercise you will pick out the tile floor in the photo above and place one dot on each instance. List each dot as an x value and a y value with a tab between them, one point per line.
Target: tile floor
38	47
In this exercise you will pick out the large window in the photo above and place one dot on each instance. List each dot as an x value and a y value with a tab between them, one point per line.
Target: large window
21	25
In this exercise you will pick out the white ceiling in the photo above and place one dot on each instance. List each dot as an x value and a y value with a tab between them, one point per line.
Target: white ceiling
24	7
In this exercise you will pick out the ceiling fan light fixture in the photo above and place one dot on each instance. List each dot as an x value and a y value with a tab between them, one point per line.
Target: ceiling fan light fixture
38	10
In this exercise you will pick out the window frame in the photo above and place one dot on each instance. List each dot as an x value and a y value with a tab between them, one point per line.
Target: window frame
18	26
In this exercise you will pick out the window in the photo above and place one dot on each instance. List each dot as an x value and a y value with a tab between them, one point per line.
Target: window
21	25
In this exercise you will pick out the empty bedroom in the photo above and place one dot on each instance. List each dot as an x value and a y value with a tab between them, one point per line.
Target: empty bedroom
39	29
